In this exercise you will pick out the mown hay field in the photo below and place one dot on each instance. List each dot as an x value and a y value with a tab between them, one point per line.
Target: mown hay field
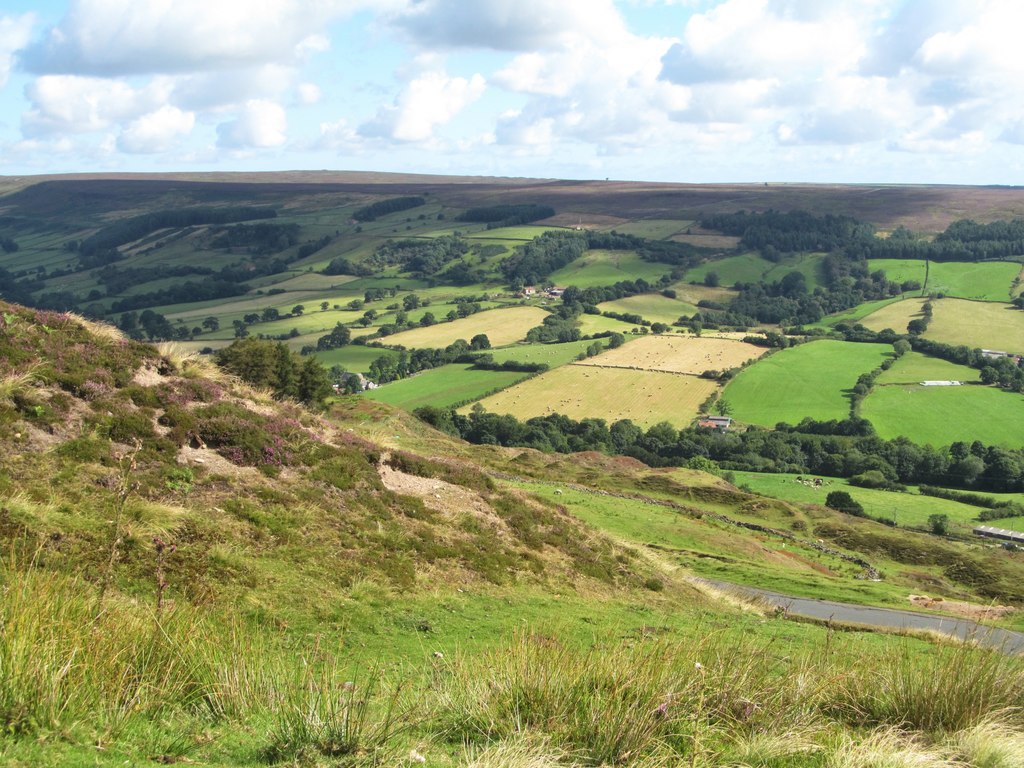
895	315
501	326
812	380
678	354
982	324
579	391
943	415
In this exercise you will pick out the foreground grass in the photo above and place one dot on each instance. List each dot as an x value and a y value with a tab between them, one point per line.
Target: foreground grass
83	682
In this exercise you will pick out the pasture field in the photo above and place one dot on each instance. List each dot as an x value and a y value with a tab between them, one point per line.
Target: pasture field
895	315
579	391
943	415
900	270
708	240
693	294
914	367
521	233
654	229
591	324
852	315
501	326
600	267
985	281
750	267
810	380
909	509
552	354
354	357
809	265
742	268
977	324
678	354
650	306
443	387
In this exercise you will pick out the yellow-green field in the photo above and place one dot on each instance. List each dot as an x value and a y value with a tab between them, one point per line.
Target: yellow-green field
984	324
501	326
579	391
650	306
894	316
591	324
678	354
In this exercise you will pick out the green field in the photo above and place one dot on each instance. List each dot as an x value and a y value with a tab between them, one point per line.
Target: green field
443	387
750	267
744	268
982	324
600	267
942	415
810	380
908	509
913	367
501	326
854	314
553	355
895	315
650	306
654	229
986	281
355	357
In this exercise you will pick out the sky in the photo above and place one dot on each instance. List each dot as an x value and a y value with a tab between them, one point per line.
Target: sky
861	91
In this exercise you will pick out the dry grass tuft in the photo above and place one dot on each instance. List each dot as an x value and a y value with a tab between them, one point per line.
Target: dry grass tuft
102	331
888	748
16	383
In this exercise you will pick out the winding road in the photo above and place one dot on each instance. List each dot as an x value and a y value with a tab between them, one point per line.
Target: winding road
889	618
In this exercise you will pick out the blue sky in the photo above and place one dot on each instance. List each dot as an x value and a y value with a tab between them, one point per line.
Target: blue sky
922	91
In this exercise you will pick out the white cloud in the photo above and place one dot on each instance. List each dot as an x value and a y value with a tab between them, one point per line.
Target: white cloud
261	124
70	104
504	25
427	101
119	37
14	35
157	131
308	93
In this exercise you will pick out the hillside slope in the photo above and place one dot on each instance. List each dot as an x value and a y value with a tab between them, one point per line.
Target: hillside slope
198	573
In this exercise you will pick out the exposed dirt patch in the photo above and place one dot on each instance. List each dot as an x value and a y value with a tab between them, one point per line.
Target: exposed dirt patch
958	608
147	376
448	499
215	463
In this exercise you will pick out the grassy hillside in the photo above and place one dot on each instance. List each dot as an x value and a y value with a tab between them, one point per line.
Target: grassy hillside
199	574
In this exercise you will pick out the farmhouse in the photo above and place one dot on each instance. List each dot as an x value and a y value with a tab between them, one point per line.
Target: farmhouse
999	533
529	291
721	423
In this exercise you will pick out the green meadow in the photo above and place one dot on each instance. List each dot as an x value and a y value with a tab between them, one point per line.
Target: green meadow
913	367
986	281
600	267
809	380
943	415
443	387
908	509
650	306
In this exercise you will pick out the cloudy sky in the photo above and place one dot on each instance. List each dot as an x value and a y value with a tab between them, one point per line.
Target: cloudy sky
670	90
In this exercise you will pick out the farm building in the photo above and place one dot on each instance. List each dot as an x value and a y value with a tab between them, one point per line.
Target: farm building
941	383
999	533
715	422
